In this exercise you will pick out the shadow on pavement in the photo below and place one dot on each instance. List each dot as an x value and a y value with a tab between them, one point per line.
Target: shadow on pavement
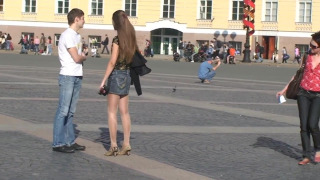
278	146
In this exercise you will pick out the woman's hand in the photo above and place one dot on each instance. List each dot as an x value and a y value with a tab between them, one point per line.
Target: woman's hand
101	85
280	93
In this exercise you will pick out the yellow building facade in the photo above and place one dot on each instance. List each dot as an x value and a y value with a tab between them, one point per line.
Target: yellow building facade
277	23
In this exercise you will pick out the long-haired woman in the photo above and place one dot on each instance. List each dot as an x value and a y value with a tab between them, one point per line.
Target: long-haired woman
124	45
309	102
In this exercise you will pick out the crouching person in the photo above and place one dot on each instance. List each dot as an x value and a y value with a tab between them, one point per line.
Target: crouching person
207	71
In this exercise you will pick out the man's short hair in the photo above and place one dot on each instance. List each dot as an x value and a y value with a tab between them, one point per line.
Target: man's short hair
73	14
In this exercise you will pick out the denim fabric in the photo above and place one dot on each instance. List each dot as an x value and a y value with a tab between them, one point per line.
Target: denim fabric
209	76
309	113
119	82
49	50
36	48
63	130
8	44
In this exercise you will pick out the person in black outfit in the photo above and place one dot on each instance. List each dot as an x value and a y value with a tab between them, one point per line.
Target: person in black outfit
105	45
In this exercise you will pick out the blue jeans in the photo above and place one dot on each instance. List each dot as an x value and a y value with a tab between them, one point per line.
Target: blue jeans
63	130
36	48
49	49
309	113
209	76
8	44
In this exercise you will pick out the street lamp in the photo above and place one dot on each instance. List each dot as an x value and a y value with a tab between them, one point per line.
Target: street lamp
248	24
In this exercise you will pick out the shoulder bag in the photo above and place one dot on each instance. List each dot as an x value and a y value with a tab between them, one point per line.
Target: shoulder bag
294	86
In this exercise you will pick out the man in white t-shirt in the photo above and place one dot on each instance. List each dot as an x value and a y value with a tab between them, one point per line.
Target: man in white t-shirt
70	79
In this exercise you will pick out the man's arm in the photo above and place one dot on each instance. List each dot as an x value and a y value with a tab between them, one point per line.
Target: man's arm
75	56
218	64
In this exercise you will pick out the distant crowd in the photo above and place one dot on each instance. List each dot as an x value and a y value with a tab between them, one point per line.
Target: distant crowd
196	53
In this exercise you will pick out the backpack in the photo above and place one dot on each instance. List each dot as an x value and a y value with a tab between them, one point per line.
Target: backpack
261	49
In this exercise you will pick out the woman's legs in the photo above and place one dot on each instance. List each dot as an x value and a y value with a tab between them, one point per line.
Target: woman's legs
126	121
313	122
304	106
113	102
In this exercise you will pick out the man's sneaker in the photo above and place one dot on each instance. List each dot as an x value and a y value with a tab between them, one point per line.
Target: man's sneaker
64	149
78	147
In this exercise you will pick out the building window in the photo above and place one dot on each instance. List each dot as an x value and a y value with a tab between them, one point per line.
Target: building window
305	10
30	6
94	41
1	5
303	48
96	7
62	6
271	10
168	8
237	9
205	9
56	39
131	7
237	46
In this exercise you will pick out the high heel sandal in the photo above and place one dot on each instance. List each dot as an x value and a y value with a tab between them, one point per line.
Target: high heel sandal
125	150
113	151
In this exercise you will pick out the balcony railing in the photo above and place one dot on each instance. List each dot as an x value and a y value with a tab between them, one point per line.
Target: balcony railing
305	27
235	24
95	19
204	23
60	18
269	25
28	16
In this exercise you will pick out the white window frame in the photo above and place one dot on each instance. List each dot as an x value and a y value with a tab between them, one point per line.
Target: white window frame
298	11
231	8
205	7
264	10
63	6
56	39
24	6
174	9
130	14
3	6
90	8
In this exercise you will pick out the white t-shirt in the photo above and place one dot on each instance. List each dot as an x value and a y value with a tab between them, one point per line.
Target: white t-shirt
68	39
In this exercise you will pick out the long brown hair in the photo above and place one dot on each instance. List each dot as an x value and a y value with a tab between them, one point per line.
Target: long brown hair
126	34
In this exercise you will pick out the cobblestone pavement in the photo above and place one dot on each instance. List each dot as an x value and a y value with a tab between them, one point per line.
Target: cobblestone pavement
232	128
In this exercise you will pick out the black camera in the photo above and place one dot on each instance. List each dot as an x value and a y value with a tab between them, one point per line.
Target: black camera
104	90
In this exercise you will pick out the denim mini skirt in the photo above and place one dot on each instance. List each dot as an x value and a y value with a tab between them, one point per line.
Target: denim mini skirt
119	82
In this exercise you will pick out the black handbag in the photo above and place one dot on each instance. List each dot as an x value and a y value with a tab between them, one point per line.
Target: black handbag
294	86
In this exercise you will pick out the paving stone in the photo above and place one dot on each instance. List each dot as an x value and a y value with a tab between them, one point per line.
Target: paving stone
30	158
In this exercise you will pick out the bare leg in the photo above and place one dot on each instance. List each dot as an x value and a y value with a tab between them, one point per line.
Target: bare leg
113	103
126	121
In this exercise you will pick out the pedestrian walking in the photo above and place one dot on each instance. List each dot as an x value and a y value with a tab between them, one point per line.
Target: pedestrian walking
105	44
42	43
123	48
297	55
309	102
70	79
285	55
